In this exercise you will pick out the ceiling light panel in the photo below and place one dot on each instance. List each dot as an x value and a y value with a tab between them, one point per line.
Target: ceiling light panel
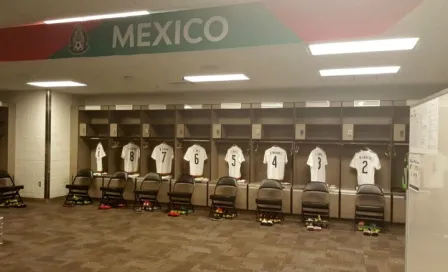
97	17
216	78
363	46
55	84
360	71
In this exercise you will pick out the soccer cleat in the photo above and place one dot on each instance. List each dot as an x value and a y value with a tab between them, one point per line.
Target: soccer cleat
105	207
310	227
264	222
270	223
361	225
375	232
317	228
367	232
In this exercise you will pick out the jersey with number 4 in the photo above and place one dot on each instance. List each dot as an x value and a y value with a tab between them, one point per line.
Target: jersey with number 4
131	155
275	158
196	156
163	154
234	158
317	161
366	162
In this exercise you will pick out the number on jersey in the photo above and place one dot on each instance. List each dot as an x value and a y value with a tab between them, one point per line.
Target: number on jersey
274	162
131	156
365	164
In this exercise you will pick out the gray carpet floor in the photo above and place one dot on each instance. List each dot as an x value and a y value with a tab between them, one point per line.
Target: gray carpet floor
48	237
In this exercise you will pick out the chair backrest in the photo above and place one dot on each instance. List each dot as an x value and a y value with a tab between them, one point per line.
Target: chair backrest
316	192
151	181
226	186
184	184
84	176
370	195
118	180
5	179
270	189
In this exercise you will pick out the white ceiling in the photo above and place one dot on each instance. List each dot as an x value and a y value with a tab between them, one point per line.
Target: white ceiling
289	66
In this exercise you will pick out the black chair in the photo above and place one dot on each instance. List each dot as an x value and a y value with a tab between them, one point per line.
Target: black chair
9	190
79	187
270	198
315	201
224	195
148	191
112	194
370	205
182	192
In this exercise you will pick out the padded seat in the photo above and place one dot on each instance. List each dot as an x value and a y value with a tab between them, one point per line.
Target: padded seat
315	201
223	198
148	191
112	194
270	199
182	192
269	202
79	187
112	189
9	190
369	205
179	194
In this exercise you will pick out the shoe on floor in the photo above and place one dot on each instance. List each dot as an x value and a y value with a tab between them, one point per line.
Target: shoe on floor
264	222
105	207
367	232
375	232
270	223
317	228
310	227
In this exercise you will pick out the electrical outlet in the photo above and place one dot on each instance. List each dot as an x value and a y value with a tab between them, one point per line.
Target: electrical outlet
39	183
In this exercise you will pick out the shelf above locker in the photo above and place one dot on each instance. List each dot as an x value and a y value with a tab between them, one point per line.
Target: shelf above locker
194	131
235	131
232	116
159	117
158	130
93	130
125	117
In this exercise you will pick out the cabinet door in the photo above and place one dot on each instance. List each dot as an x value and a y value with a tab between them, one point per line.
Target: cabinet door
300	132
145	130
256	131
217	131
180	132
82	129
113	130
347	132
399	132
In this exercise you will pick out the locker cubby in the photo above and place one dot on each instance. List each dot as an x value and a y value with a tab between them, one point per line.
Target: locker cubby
398	165
220	167
96	117
182	166
86	153
321	132
147	163
129	130
236	132
259	169
318	116
94	130
372	132
116	163
277	132
232	117
125	117
367	115
197	131
159	117
194	117
161	131
302	170
273	116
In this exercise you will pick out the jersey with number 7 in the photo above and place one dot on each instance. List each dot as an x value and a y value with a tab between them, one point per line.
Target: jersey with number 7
365	162
196	156
275	158
163	154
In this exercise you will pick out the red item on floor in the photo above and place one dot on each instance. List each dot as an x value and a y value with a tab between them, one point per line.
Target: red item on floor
105	207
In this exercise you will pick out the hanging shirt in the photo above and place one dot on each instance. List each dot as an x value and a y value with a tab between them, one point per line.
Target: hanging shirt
275	158
99	155
196	156
131	155
366	162
163	154
234	158
317	161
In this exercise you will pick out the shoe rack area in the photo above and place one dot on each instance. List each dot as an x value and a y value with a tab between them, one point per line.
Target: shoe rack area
340	128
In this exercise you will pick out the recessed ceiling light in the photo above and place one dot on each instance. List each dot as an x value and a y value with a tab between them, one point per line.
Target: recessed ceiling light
363	46
216	78
360	71
97	17
54	84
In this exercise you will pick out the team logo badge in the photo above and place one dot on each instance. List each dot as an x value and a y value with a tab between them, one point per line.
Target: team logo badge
78	41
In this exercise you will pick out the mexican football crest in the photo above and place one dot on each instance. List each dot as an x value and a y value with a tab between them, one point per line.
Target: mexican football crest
78	41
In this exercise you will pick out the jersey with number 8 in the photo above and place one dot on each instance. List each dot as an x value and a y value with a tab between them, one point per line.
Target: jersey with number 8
365	162
275	158
131	155
196	156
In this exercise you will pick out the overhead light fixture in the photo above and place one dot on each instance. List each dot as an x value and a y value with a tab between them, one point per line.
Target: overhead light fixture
55	84
360	71
97	17
363	46
216	78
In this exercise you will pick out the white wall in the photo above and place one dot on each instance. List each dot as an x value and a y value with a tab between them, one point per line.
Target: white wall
30	142
60	143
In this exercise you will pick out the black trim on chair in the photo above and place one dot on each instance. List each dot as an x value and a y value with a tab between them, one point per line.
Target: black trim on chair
12	191
113	196
181	198
141	194
81	190
224	201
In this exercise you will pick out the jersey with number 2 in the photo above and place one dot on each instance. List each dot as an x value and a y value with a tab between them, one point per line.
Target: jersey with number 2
131	155
196	156
366	162
275	158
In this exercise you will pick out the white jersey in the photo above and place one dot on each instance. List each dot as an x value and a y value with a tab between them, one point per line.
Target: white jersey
196	155
365	162
234	158
317	161
131	155
99	155
163	154
275	158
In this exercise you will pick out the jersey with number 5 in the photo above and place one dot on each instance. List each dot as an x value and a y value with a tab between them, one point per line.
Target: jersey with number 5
234	158
196	156
275	158
163	154
131	155
365	162
317	161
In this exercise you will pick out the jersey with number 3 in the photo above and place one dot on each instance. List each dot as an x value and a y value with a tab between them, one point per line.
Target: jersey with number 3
163	154
234	158
275	158
317	161
196	156
366	162
131	155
